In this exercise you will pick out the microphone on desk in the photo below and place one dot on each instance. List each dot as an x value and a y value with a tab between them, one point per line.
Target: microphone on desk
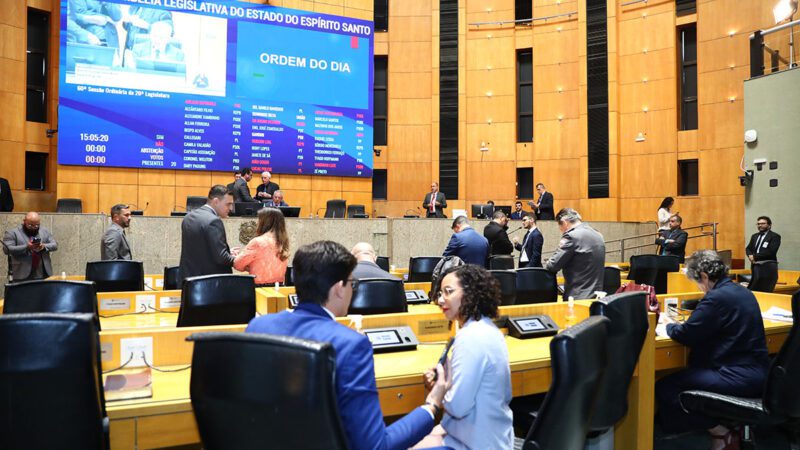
516	230
412	214
318	210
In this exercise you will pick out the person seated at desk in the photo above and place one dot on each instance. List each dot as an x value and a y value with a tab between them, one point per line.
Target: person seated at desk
161	45
466	243
276	200
366	267
518	212
323	280
476	411
728	350
266	255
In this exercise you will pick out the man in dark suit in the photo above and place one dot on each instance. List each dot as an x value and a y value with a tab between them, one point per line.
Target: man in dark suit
204	245
467	244
324	284
265	190
241	191
518	212
30	246
763	245
672	242
115	244
434	202
6	199
544	206
530	250
276	201
495	233
237	174
367	266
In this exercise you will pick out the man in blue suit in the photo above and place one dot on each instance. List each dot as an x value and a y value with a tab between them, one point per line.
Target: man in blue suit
467	244
324	284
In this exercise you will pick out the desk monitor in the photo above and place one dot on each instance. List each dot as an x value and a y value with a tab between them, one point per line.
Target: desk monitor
482	211
246	208
505	209
160	65
416	296
290	211
293	300
391	339
531	326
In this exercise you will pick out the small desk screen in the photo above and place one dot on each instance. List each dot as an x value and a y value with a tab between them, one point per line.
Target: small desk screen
530	325
383	337
411	295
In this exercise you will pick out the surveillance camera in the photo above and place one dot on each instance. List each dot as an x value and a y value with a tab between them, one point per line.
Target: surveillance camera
746	179
377	151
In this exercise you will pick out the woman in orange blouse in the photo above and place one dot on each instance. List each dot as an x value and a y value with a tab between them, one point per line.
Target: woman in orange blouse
266	255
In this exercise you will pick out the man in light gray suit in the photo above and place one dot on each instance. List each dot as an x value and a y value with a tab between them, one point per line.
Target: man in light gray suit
366	267
115	243
30	246
204	245
241	191
581	255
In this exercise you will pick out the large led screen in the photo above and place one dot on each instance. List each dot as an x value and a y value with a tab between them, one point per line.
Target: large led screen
201	85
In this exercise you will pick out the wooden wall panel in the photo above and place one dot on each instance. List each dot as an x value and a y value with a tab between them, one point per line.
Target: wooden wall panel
109	195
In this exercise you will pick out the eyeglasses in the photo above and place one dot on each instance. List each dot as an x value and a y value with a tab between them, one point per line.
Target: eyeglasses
762	223
446	292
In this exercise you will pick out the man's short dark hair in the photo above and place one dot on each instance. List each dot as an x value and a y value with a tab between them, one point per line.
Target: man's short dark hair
499	214
219	191
680	219
318	266
540	184
237	172
769	221
517	203
117	209
460	220
246	171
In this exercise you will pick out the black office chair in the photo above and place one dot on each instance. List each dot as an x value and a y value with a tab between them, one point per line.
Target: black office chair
52	394
356	211
764	276
383	262
194	202
508	285
652	270
217	300
284	391
536	285
501	262
116	276
778	407
69	205
420	268
579	357
336	209
612	279
288	279
172	275
378	296
56	296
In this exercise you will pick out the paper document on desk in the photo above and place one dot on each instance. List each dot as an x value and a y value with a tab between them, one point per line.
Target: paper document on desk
128	384
777	314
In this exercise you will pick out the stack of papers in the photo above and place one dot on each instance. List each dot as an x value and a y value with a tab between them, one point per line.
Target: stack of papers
777	314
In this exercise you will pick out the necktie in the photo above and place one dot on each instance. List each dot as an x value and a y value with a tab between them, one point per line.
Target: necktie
759	242
523	256
433	202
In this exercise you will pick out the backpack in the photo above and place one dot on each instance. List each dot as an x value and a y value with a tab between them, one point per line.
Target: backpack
436	276
652	300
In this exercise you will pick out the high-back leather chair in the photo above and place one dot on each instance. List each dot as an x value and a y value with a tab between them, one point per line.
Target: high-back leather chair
194	202
383	262
217	300
288	279
116	276
51	296
653	270
627	330
52	395
335	209
353	210
508	285
284	392
420	268
501	262
764	276
777	407
171	276
69	205
612	279
578	356
378	296
536	285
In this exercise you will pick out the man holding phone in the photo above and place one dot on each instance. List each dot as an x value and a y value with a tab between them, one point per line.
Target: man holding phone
30	246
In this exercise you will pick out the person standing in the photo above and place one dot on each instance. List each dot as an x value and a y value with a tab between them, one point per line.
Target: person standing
115	243
544	206
6	198
241	191
30	246
664	213
581	254
265	190
237	174
763	245
434	202
204	245
266	255
495	232
530	250
672	242
467	244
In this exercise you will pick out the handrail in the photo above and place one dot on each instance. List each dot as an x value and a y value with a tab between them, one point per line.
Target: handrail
524	21
776	28
650	234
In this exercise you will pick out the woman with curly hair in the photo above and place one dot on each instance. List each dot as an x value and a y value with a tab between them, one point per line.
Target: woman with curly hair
266	255
476	412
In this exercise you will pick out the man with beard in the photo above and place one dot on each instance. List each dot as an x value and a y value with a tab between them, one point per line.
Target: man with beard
30	246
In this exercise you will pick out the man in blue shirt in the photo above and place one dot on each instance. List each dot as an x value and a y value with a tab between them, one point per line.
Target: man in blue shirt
467	244
323	280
